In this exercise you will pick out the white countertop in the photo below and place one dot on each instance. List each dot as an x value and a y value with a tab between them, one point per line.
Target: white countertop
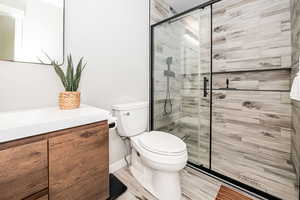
22	124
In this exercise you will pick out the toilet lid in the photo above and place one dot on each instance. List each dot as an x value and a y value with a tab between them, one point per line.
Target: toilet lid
162	143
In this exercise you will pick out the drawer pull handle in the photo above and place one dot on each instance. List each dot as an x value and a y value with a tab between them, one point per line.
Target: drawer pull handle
88	134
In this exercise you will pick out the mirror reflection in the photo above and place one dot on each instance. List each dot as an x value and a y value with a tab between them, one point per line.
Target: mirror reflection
31	29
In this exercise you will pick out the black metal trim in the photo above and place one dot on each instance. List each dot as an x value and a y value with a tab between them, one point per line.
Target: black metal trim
248	90
150	69
211	86
151	118
208	171
253	70
64	31
243	90
232	182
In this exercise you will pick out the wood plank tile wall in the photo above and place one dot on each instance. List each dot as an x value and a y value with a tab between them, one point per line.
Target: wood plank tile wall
160	10
251	35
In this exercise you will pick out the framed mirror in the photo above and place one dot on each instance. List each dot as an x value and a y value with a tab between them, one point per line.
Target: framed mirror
32	30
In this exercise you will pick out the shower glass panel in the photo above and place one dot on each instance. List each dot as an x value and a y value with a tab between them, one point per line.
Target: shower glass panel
222	84
181	81
251	112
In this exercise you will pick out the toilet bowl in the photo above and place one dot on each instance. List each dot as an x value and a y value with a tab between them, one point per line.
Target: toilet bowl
157	157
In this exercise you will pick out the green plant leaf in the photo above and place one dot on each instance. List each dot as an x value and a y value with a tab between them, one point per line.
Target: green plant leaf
70	80
70	74
60	74
51	60
78	75
78	69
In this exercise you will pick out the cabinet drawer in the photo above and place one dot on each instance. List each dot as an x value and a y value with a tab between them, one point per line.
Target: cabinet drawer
23	170
78	164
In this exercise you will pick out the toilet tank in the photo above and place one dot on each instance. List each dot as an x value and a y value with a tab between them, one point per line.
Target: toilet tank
132	119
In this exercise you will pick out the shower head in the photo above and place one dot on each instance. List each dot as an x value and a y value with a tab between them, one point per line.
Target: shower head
169	60
168	72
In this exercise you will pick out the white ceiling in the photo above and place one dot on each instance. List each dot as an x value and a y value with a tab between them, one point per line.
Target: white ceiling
183	5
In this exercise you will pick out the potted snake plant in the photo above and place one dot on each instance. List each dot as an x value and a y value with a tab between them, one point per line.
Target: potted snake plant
70	98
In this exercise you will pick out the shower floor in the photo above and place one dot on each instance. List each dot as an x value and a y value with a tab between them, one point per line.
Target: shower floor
274	174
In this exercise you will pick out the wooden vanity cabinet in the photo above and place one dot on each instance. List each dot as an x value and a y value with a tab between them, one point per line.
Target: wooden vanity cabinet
78	164
23	170
71	164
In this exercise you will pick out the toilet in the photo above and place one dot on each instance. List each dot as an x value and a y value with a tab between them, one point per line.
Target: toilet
157	157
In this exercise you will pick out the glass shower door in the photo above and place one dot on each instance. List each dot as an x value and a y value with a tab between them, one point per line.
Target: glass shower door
181	71
251	112
231	108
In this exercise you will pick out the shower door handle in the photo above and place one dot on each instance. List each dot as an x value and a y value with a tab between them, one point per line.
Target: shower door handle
205	81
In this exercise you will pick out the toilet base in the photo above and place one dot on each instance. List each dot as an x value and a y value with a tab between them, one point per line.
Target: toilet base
163	185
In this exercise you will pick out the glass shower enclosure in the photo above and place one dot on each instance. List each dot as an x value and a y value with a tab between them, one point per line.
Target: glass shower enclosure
216	84
181	72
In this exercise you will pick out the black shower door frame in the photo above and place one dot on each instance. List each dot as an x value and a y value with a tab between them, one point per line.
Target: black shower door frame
201	168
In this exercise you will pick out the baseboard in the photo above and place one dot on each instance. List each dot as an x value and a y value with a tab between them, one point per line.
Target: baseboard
118	165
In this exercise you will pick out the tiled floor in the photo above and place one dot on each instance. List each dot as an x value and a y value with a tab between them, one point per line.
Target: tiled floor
195	186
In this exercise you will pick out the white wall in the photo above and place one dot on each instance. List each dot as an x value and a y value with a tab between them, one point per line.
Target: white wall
26	86
113	36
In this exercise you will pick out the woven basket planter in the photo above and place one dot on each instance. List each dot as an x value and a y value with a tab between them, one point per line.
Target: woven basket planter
69	100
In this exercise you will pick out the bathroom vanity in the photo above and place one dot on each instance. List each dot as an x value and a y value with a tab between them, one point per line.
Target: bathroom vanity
54	154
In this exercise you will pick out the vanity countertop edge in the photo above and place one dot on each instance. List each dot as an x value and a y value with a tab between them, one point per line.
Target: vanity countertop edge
23	124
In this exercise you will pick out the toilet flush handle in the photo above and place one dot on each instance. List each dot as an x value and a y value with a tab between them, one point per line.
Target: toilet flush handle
127	113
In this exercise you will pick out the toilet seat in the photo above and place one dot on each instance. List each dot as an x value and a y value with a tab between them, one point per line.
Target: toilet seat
162	143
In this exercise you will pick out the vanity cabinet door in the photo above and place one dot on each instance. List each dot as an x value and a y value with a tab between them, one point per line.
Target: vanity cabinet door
78	164
23	171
